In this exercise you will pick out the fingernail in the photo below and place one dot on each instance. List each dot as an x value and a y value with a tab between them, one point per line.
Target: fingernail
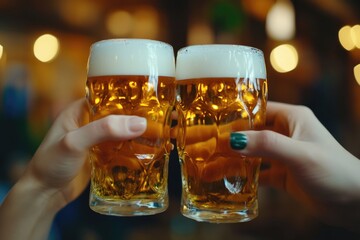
238	141
137	124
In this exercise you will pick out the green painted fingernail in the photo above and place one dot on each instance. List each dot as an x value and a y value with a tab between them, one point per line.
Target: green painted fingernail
238	141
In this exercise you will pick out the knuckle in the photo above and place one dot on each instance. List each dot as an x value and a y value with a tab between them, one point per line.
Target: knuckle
68	145
266	140
302	110
107	125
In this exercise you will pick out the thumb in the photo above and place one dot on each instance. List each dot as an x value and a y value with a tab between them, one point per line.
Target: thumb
268	144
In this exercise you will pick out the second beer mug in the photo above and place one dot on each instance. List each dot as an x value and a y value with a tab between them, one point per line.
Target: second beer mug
220	89
131	77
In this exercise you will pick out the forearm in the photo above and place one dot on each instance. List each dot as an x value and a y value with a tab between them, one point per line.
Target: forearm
26	212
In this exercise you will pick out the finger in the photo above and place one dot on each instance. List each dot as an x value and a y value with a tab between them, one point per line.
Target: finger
277	118
275	109
200	133
269	144
74	116
272	111
112	127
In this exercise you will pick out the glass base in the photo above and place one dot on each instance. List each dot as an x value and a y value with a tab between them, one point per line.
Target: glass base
221	215
140	207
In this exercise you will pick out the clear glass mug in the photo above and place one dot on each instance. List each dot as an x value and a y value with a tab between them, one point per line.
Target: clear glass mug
131	77
219	89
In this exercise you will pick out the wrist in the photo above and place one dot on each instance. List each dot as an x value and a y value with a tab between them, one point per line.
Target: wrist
29	207
38	194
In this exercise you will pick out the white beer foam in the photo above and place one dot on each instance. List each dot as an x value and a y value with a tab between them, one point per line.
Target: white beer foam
220	60
131	57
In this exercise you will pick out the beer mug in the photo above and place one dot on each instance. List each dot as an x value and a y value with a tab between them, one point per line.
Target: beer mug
220	89
131	77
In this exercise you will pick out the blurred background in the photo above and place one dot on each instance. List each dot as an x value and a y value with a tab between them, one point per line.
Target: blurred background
312	52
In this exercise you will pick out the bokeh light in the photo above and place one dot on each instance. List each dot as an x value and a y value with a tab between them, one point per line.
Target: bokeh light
146	23
345	38
1	51
357	73
355	35
120	23
284	58
200	33
46	47
280	21
84	13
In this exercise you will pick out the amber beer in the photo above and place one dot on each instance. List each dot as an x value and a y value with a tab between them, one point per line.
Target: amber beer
220	89
131	77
